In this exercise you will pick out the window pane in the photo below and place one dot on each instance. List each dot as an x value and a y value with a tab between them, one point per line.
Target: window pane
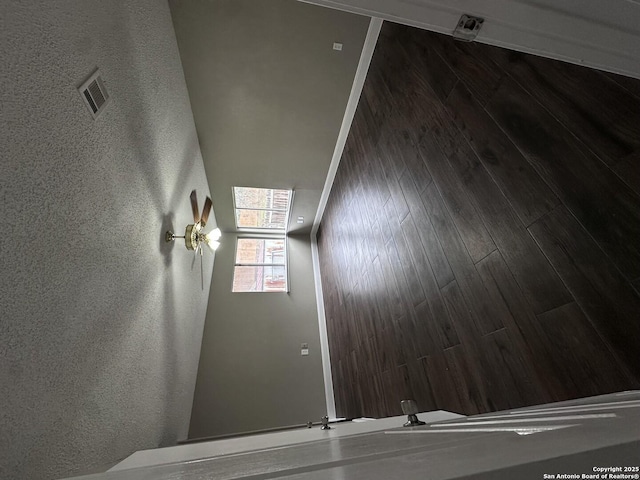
269	198
275	279
260	250
260	279
261	219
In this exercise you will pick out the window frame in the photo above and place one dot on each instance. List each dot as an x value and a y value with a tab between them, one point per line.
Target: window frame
262	233
262	230
258	236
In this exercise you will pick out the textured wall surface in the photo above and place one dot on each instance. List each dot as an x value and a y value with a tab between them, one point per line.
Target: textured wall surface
100	320
251	375
268	93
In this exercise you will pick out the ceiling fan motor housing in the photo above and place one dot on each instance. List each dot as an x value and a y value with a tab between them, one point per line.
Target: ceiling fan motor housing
191	236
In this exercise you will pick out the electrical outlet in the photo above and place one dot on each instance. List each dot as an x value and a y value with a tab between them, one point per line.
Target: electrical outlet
467	28
337	46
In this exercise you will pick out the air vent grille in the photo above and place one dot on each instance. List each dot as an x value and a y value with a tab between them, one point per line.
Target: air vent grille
94	94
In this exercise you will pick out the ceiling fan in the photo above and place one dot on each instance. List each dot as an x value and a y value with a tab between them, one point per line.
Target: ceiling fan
194	235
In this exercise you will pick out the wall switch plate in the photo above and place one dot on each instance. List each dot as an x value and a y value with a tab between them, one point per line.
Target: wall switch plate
304	352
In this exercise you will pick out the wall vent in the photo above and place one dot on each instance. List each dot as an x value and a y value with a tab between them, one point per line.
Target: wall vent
94	94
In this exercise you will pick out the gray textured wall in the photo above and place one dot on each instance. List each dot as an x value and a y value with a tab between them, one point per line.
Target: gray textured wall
100	321
251	375
268	93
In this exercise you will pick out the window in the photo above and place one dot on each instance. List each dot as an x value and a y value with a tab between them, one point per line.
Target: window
261	261
260	265
261	208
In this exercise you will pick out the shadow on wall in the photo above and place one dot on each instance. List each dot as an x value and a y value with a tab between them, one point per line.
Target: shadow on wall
166	248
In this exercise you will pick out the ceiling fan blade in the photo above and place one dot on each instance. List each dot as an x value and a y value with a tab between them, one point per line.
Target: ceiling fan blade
206	210
201	272
194	207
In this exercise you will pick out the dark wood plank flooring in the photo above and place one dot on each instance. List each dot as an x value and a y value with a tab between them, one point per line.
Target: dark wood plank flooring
480	249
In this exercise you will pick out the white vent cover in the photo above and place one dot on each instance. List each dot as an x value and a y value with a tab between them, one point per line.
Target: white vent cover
94	94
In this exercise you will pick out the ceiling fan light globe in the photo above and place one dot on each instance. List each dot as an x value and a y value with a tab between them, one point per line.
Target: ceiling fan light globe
215	234
214	245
